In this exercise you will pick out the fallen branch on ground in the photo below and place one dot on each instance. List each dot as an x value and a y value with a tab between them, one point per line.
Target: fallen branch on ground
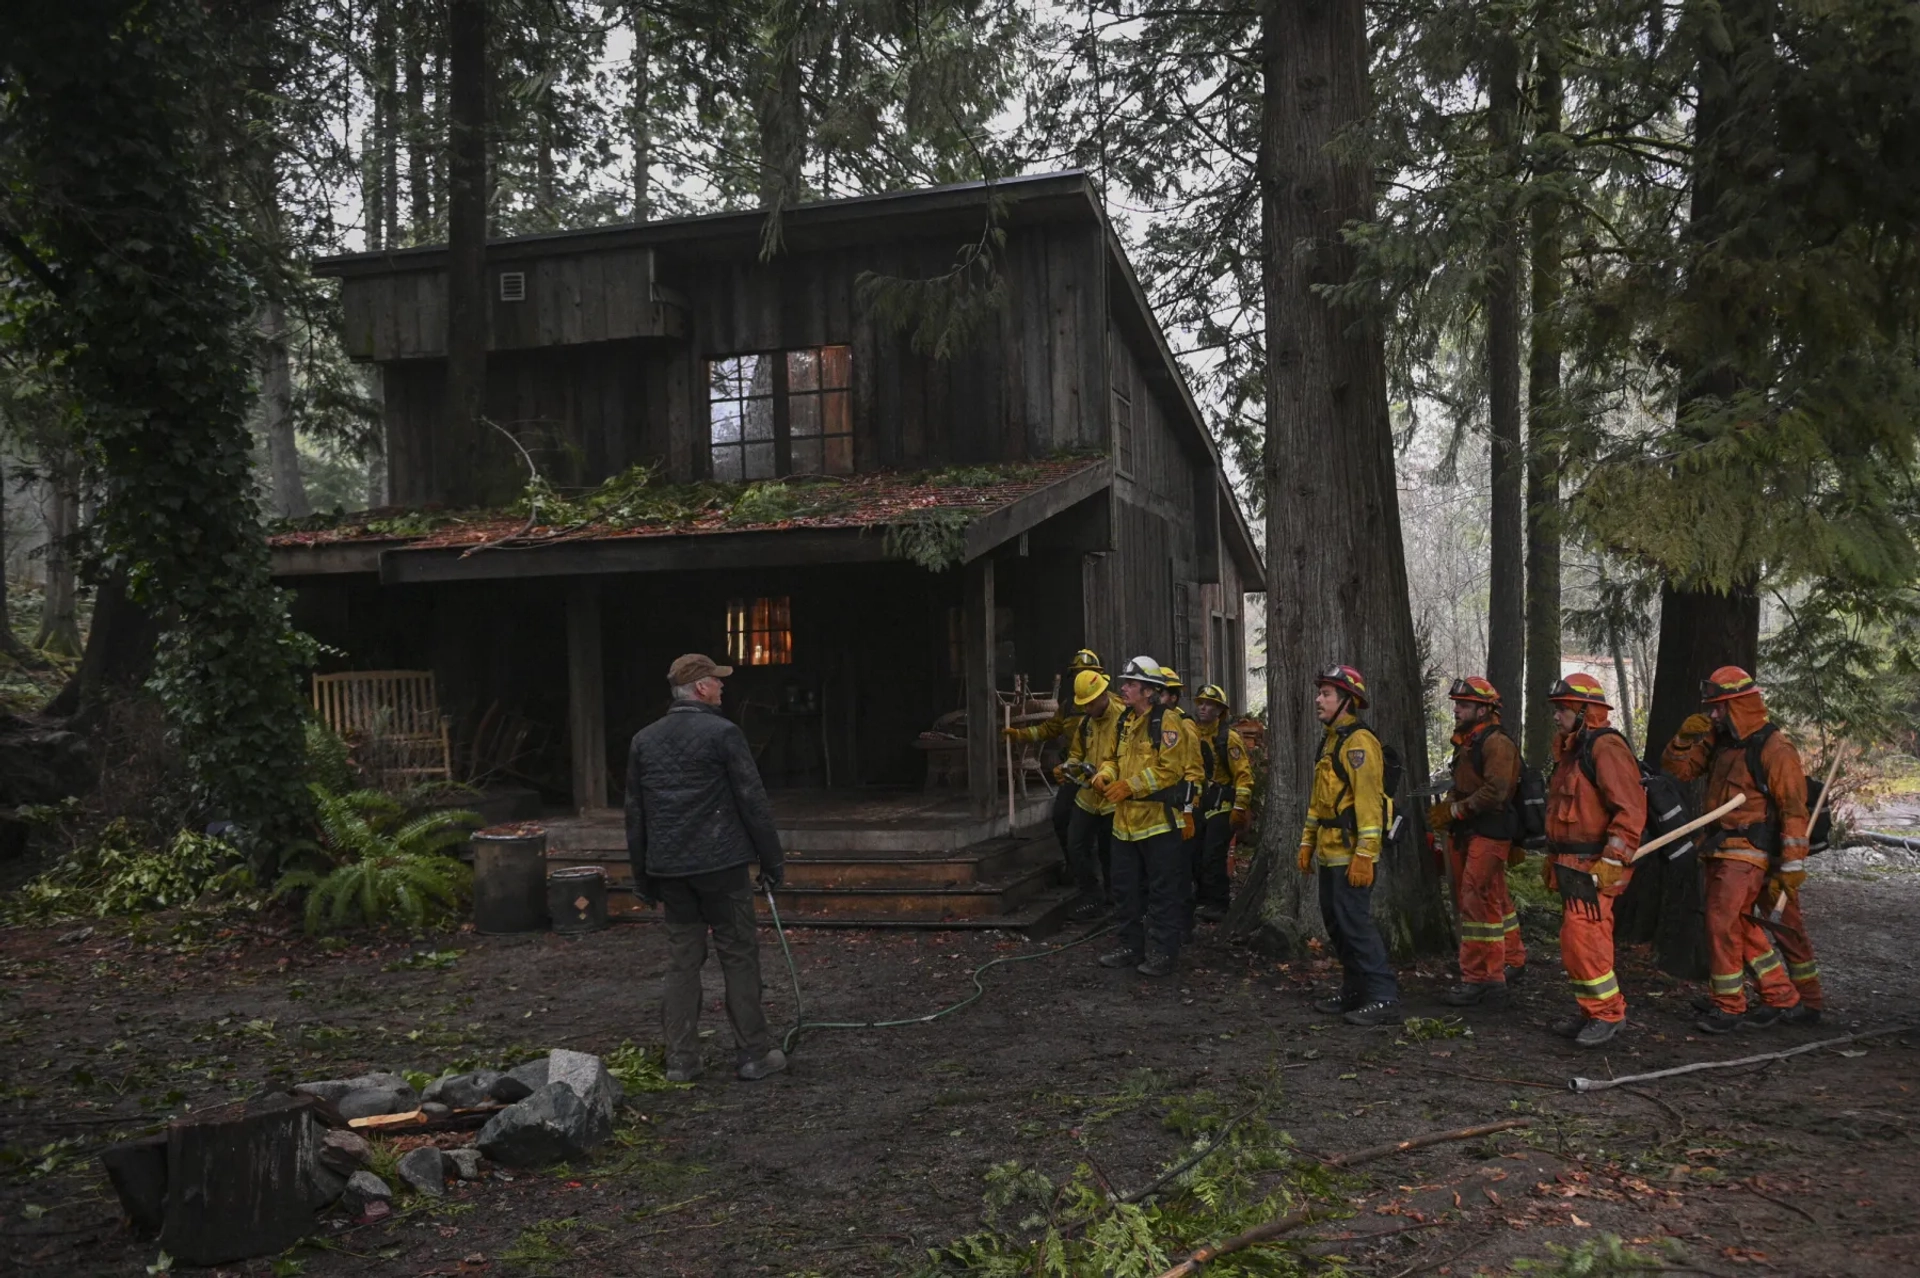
1602	1084
1294	1220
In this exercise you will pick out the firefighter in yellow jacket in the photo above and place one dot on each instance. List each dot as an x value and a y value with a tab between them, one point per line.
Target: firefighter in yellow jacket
1347	818
1151	778
1059	725
1090	825
1224	803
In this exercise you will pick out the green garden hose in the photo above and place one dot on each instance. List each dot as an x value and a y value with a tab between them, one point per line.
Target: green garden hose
979	990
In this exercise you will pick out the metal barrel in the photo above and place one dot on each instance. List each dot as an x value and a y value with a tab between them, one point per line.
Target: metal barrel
577	898
510	880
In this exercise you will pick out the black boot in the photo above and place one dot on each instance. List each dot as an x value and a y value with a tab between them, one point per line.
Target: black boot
1760	1017
1121	957
1377	1012
1158	963
1338	1004
1720	1021
1474	994
1800	1014
1569	1026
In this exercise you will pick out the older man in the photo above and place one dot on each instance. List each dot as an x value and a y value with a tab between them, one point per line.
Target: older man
697	816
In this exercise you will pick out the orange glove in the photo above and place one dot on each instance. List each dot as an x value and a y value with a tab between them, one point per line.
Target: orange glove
1360	871
1239	819
1786	881
1188	826
1692	729
1117	792
1609	873
1306	858
1440	817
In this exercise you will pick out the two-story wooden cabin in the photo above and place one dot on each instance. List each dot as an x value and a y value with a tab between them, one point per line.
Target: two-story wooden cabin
1054	469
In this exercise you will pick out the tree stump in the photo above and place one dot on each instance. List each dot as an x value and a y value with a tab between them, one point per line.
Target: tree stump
241	1180
138	1170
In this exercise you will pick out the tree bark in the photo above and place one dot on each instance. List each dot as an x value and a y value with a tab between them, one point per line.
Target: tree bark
466	252
276	410
59	617
640	114
374	195
1506	592
119	653
1543	429
387	121
8	643
1338	588
419	167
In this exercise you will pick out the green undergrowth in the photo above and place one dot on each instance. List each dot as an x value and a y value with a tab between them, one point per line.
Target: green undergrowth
1601	1256
123	869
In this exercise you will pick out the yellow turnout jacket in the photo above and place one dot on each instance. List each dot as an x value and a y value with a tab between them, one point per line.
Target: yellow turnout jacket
1347	818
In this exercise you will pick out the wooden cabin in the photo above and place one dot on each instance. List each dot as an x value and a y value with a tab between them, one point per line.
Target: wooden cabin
1059	453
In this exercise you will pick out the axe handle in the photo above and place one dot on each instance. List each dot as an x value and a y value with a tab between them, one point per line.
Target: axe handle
1695	824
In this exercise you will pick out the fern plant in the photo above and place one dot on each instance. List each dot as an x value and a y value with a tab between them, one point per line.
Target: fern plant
385	865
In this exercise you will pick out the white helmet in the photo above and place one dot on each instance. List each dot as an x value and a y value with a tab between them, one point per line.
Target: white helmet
1144	670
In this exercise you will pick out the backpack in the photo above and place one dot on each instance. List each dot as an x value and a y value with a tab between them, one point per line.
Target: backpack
1819	832
1392	772
1666	802
1527	809
1175	797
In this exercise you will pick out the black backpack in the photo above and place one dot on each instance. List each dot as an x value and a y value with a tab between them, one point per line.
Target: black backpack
1666	802
1527	809
1820	831
1392	772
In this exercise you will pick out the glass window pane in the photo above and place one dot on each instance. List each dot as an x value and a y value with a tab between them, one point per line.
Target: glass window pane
836	413
724	417
836	366
758	462
806	456
803	370
803	416
723	377
759	419
839	455
756	375
726	465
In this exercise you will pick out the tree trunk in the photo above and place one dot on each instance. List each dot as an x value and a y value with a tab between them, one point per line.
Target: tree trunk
387	121
376	453
419	170
276	409
1506	591
1338	588
466	251
59	618
119	653
1543	433
8	643
1625	689
374	195
640	114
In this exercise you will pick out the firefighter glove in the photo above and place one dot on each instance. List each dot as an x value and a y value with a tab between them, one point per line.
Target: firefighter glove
1694	728
1117	791
1306	858
1059	774
1360	871
1787	879
1440	816
1009	733
1609	873
1238	820
1188	826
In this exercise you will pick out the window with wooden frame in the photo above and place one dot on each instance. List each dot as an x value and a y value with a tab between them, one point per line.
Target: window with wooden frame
760	631
781	413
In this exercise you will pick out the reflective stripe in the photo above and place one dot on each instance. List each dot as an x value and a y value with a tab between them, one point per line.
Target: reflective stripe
1471	931
1511	923
1807	971
1765	963
1796	865
1727	984
1604	986
1365	830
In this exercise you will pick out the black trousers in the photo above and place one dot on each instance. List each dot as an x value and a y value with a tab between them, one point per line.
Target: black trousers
1348	914
1063	809
1149	890
721	902
1210	882
1087	838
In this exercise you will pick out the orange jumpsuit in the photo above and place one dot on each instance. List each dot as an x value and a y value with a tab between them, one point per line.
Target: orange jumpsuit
1584	819
1736	870
1489	927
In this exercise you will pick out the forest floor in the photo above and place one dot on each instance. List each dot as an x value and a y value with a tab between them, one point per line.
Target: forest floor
875	1146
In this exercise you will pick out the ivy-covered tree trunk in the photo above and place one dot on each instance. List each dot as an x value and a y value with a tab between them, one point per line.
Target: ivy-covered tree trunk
1338	584
137	298
640	109
1506	540
8	643
1543	427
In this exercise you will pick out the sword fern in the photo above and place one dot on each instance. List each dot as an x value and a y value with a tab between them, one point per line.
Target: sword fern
386	866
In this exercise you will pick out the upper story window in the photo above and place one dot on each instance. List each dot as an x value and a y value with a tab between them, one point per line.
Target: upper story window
781	413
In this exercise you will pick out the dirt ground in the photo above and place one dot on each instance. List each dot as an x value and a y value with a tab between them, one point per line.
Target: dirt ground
874	1147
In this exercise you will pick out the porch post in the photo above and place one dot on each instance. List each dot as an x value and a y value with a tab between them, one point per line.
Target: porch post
586	695
983	710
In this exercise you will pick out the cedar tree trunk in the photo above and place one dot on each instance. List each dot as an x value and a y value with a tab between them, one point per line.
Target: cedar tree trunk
1506	587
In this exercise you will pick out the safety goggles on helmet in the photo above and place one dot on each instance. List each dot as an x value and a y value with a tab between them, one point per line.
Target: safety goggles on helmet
1085	659
1726	683
1144	670
1213	692
1088	685
1580	689
1170	678
1474	689
1347	680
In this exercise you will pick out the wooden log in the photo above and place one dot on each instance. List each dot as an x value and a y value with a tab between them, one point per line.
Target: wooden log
241	1180
138	1171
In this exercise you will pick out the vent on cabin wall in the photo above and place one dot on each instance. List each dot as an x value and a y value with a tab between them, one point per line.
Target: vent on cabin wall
513	286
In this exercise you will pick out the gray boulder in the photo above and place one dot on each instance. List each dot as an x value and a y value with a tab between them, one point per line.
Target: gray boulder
425	1169
334	1090
367	1102
587	1076
345	1152
521	1081
552	1125
465	1162
464	1091
324	1185
362	1190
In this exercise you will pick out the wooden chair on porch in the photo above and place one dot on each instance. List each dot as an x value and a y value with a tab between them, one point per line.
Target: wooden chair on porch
1027	709
395	715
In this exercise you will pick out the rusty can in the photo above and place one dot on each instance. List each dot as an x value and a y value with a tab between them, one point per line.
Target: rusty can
577	898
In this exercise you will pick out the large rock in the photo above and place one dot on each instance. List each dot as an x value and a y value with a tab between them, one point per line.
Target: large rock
367	1102
464	1091
345	1152
521	1081
552	1125
363	1189
334	1090
325	1185
587	1076
41	764
425	1169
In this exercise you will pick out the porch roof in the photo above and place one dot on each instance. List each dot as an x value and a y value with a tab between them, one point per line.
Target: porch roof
698	527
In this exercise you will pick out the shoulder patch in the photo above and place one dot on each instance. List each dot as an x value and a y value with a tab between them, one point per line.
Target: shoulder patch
1356	758
1235	752
1169	737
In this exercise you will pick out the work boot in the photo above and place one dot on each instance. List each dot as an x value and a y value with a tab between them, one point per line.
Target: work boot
1761	1017
1121	957
1569	1026
764	1067
1212	913
1087	911
1720	1021
1156	964
1374	1013
684	1069
1338	1004
1476	994
1800	1014
1515	975
1703	1003
1596	1033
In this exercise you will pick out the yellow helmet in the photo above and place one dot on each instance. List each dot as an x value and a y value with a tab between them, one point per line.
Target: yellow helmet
1213	692
1085	659
1087	685
1171	679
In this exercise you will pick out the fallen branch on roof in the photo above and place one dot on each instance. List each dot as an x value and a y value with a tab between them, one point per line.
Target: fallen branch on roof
1602	1084
1293	1220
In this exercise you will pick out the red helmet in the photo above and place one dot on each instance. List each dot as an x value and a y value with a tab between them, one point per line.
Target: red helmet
1475	689
1580	688
1347	679
1726	683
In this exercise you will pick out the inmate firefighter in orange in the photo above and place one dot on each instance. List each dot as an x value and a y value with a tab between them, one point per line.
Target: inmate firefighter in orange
1755	859
1481	825
1595	813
